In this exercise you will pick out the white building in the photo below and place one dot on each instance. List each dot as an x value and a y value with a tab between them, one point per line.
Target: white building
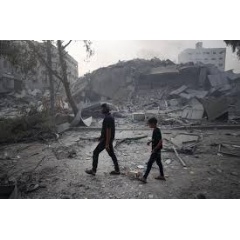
215	56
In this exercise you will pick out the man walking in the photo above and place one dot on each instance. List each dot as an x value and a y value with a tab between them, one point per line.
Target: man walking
105	142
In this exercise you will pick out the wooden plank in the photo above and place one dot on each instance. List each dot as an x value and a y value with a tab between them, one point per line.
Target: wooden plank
179	158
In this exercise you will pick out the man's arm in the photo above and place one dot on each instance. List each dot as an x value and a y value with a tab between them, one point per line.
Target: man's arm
108	137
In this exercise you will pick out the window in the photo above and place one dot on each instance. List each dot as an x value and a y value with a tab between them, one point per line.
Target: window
189	53
213	58
220	64
214	53
220	58
206	59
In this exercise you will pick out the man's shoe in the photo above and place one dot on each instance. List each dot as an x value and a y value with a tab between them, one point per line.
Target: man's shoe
142	179
115	172
161	178
91	172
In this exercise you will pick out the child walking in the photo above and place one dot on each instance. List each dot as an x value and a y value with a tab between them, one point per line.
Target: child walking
156	151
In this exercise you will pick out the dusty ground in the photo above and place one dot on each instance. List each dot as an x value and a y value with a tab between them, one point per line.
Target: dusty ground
57	168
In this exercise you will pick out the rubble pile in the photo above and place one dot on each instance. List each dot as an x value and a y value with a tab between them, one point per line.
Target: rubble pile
117	82
175	94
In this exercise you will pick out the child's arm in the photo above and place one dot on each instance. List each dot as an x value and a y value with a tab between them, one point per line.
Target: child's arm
148	143
159	146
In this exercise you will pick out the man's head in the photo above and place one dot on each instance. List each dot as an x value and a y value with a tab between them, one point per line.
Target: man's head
152	122
105	108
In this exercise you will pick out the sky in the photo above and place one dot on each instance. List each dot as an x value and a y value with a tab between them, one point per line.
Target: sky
107	52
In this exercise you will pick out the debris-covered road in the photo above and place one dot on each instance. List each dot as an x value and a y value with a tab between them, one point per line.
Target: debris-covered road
57	169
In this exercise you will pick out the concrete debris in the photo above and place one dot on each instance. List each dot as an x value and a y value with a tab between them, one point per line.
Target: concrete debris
64	152
194	111
133	174
168	161
9	83
229	150
164	70
215	108
218	80
63	127
139	116
179	90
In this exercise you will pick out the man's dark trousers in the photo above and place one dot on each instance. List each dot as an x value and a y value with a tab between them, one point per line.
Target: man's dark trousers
100	147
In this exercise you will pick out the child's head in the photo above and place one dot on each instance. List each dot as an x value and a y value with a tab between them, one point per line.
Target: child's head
152	122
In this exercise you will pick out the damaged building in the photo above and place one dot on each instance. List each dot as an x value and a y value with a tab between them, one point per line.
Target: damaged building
163	89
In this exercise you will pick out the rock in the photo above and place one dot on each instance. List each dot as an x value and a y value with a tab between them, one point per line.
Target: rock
150	196
168	161
140	166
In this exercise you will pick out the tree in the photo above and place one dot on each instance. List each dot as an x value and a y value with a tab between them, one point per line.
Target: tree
63	78
235	44
61	53
24	54
50	75
17	53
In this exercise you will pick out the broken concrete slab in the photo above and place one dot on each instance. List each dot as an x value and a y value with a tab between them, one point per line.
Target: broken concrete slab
164	70
87	122
138	116
63	127
182	139
197	93
215	108
194	111
218	80
179	90
202	77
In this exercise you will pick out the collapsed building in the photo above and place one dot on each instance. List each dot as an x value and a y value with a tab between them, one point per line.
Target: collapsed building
147	88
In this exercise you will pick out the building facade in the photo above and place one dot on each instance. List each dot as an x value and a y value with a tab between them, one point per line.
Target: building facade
38	78
214	56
